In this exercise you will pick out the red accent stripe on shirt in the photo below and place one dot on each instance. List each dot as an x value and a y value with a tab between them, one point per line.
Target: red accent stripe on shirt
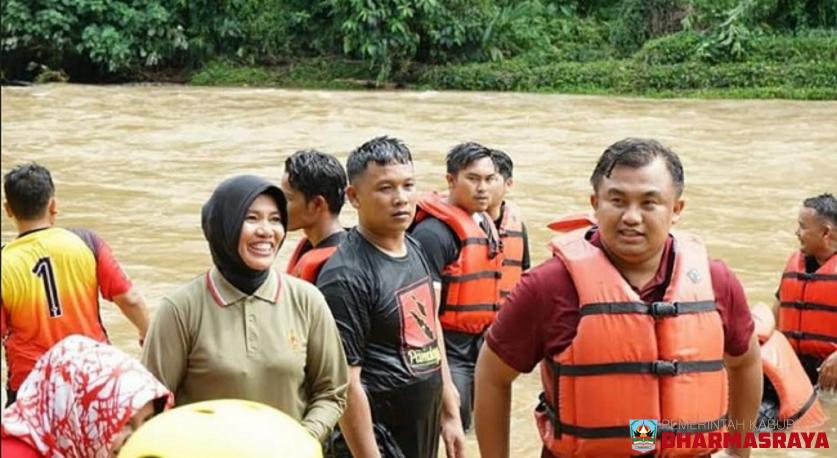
210	285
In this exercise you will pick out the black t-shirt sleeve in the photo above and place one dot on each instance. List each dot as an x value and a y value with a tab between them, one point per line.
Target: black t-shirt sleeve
349	300
526	262
439	245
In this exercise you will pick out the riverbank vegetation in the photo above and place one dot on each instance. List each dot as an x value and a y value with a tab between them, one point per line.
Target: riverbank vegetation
702	48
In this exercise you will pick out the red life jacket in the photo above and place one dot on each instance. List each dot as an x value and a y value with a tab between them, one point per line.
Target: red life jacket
799	407
511	238
308	265
634	360
808	306
472	282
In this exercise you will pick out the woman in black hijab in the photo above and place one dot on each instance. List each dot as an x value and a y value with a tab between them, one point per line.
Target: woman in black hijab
243	330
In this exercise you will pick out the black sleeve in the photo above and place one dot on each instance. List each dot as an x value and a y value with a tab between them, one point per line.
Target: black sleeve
350	303
526	261
439	244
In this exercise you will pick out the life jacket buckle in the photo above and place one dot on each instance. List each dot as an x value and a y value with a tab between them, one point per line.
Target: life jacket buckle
663	367
659	309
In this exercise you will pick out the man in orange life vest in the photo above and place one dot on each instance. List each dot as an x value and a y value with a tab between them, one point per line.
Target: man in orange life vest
52	277
314	184
628	322
463	250
514	239
807	306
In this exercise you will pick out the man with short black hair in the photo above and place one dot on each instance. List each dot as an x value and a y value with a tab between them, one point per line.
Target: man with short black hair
314	184
380	292
52	277
514	238
463	248
807	296
628	321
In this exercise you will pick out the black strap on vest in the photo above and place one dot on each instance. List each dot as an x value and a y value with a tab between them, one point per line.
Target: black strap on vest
605	432
788	422
801	305
659	367
809	336
657	309
472	308
473	276
804	276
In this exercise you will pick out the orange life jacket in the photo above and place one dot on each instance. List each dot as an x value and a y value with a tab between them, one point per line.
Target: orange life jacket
634	360
308	265
569	227
799	407
511	238
808	306
471	284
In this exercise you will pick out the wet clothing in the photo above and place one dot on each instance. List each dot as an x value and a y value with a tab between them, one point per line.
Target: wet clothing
78	397
279	346
221	219
307	260
541	316
526	261
808	305
442	247
386	311
50	289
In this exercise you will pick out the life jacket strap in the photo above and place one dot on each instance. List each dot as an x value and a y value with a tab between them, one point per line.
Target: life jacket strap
798	335
657	309
659	367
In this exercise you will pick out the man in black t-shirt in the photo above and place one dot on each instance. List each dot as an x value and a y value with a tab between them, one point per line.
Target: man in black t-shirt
379	289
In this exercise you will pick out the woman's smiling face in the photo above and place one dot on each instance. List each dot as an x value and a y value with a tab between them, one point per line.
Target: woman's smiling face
261	234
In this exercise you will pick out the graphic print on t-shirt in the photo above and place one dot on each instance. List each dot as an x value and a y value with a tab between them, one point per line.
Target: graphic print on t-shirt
418	326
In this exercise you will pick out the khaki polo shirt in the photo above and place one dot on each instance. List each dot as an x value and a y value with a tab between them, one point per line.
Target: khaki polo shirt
279	346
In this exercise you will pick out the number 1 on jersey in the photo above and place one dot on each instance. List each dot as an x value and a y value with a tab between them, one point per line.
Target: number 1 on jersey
43	268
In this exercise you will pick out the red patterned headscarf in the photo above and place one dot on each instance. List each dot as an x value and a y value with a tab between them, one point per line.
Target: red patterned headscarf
80	394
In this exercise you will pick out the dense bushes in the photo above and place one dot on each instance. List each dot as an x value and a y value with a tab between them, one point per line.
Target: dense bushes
513	44
91	38
626	77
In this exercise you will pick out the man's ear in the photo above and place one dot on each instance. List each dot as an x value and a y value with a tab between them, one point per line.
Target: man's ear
8	209
319	203
351	194
679	205
451	179
52	209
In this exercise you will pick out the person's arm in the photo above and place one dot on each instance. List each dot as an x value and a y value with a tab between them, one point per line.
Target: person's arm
828	373
4	322
326	376
166	348
115	284
439	245
527	260
133	306
451	423
349	298
745	391
356	423
492	405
